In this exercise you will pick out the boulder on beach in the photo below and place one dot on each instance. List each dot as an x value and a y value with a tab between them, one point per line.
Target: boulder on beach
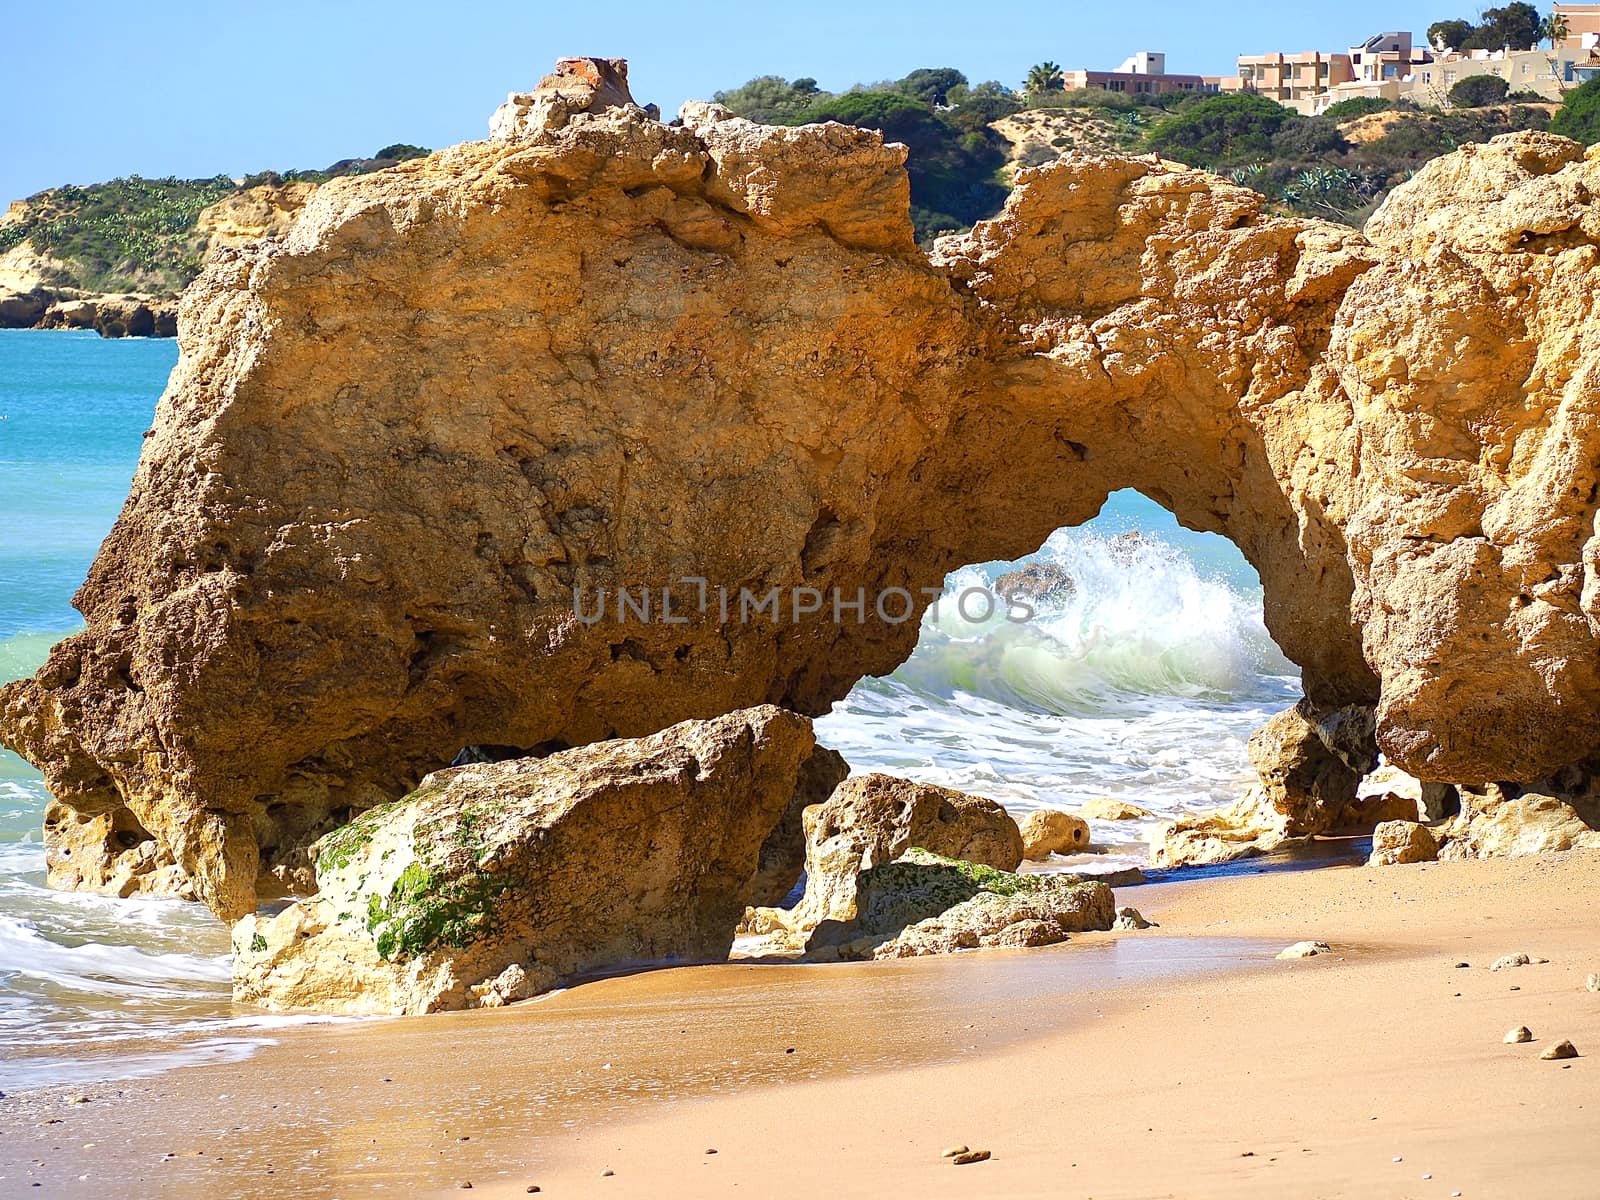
1398	842
1311	760
924	903
1047	831
873	819
782	861
1244	829
493	882
1495	824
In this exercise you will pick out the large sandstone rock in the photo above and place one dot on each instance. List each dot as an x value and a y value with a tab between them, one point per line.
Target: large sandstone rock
782	861
1311	763
601	353
493	882
1493	825
114	315
928	904
1398	842
874	819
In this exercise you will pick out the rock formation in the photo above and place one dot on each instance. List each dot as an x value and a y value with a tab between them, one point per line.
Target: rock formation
874	819
1048	831
927	904
427	460
782	861
266	210
494	882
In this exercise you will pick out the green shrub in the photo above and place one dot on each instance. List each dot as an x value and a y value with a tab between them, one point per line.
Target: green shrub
1479	91
1579	115
1357	106
401	151
129	234
1308	137
1220	129
769	99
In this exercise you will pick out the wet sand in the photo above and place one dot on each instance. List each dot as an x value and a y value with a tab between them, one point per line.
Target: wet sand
1183	1061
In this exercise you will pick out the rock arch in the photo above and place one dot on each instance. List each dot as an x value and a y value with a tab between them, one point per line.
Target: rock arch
602	352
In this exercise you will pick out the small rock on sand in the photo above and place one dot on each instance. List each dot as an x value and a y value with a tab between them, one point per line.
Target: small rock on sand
1593	983
1561	1050
1306	950
970	1156
1104	808
1507	961
952	1151
1130	918
1519	1035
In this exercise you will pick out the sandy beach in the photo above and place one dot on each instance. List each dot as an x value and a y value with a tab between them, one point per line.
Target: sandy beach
1180	1061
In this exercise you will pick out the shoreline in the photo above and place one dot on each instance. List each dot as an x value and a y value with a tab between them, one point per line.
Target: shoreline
894	1061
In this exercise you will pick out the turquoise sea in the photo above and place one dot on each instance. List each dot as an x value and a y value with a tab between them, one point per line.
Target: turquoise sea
1143	684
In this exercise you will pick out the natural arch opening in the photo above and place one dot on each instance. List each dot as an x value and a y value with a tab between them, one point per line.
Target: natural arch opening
1135	670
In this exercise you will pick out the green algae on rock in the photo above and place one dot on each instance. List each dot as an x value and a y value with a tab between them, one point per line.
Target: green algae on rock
924	903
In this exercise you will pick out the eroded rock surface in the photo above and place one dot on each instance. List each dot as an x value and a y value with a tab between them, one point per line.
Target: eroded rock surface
874	819
928	904
597	352
1047	831
493	882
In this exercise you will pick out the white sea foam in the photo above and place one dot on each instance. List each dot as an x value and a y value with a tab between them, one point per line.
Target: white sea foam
1142	682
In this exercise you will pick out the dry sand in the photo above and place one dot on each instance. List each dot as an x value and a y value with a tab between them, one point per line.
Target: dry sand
1183	1061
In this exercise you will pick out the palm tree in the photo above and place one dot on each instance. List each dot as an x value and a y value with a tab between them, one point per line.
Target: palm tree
1045	77
1554	28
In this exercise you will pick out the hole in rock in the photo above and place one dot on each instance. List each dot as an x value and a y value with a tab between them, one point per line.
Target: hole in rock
1140	676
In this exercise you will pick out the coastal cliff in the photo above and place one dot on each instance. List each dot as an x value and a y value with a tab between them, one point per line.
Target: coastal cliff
416	444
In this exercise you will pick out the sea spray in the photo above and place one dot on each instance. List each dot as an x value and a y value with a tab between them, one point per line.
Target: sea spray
1141	679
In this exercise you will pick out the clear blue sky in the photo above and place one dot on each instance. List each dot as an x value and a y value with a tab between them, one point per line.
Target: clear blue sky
99	89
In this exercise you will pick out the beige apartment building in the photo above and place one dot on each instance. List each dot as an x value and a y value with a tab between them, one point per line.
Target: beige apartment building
1548	74
1583	25
1290	78
1391	66
1310	81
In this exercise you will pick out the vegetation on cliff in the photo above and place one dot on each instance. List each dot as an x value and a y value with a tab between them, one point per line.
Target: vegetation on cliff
137	234
1308	165
128	235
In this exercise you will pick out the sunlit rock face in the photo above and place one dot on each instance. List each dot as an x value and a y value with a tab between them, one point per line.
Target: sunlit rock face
416	446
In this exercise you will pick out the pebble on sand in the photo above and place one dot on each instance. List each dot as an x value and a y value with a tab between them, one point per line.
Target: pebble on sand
1561	1050
1505	962
1519	1035
1593	983
1306	950
970	1156
952	1151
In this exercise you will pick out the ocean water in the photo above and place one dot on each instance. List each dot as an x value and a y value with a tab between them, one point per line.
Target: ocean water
90	987
1142	682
